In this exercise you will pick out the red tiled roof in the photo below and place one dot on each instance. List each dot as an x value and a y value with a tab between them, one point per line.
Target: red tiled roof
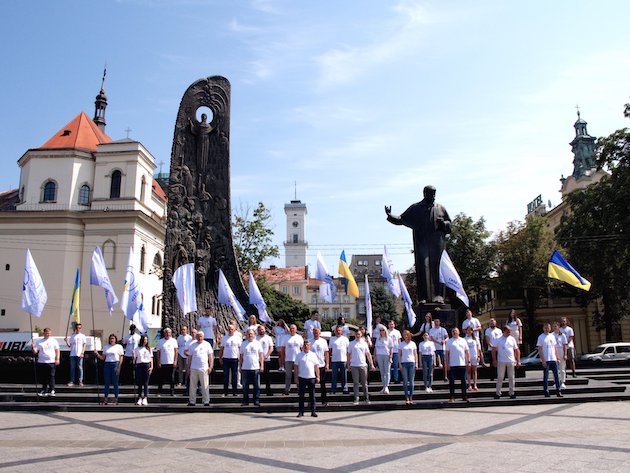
281	274
81	133
157	189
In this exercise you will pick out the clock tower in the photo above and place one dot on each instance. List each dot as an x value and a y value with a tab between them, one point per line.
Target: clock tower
295	245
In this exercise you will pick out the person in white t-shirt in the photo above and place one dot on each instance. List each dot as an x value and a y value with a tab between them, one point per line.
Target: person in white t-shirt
306	375
199	366
183	340
561	340
267	345
208	324
377	328
548	350
358	357
143	360
476	357
129	342
319	346
457	359
426	326
384	353
516	326
408	360
292	346
311	324
113	357
395	336
339	344
228	357
570	334
427	351
77	343
506	356
491	335
473	322
439	336
252	362
47	351
252	323
166	360
281	332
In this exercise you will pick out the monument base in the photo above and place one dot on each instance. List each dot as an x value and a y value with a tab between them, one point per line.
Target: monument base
444	312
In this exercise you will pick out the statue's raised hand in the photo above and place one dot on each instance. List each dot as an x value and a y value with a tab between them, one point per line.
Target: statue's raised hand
388	210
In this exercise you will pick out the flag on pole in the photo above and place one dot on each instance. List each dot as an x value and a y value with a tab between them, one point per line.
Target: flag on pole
407	300
99	277
450	277
184	282
558	268
344	270
256	299
132	297
141	321
76	297
368	307
34	295
226	296
388	272
327	290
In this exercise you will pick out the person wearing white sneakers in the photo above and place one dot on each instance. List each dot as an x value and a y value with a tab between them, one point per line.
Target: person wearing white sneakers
47	351
427	352
408	364
143	359
77	343
384	351
563	344
358	357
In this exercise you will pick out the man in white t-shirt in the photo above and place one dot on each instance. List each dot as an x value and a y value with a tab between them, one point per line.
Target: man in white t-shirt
306	375
47	351
199	366
395	336
208	325
77	343
570	334
457	359
358	357
292	346
252	362
338	357
473	322
166	360
561	340
183	340
491	335
548	350
439	336
228	357
505	357
267	345
319	346
311	324
130	342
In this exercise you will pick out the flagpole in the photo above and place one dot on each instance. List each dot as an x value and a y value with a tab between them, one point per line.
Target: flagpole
98	391
30	320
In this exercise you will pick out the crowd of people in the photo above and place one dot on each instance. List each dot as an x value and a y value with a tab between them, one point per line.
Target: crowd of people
306	357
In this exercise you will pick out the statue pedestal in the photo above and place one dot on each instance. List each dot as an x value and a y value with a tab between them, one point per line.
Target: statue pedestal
447	316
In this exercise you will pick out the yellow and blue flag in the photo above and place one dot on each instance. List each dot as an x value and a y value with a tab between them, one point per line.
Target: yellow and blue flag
344	270
76	296
559	269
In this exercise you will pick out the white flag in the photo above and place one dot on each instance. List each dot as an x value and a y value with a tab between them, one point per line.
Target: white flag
256	299
408	304
34	295
184	282
449	276
226	296
388	272
99	277
327	290
141	321
368	307
132	297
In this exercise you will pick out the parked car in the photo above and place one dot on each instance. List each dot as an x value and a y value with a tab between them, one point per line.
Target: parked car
608	352
533	359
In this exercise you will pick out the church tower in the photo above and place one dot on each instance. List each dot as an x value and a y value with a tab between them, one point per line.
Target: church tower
100	104
295	245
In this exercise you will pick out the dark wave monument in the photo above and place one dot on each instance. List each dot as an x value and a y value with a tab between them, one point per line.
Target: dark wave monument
199	221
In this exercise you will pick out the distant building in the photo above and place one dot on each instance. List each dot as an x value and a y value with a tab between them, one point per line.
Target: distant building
295	245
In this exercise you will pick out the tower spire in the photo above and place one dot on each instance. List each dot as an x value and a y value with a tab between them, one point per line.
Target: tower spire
101	104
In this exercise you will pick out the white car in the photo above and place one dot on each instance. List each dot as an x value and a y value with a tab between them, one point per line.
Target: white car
609	352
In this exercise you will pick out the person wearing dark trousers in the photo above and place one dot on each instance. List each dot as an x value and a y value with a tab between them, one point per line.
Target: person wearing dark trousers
130	342
267	345
143	361
319	346
228	357
457	358
166	361
47	351
306	375
548	349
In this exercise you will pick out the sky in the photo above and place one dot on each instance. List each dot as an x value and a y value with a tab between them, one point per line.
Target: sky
349	105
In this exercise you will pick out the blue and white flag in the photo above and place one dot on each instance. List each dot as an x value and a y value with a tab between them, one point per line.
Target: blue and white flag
99	277
407	300
450	277
368	307
256	299
132	297
226	296
34	295
388	272
327	290
184	282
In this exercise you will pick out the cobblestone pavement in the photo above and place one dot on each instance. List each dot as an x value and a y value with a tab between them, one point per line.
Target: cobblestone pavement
593	437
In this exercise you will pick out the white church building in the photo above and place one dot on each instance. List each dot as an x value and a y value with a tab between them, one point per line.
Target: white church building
78	190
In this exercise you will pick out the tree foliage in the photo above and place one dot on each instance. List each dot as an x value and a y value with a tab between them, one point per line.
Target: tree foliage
282	306
596	231
523	251
253	238
383	303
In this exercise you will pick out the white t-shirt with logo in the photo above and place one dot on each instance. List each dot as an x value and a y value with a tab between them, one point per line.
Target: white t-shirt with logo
207	325
438	335
199	354
506	347
474	348
407	350
339	349
251	354
320	347
113	353
383	346
182	343
426	348
143	355
131	342
493	334
561	340
568	332
47	350
231	345
456	348
472	322
358	350
395	336
292	346
546	345
167	349
266	342
77	341
309	325
306	363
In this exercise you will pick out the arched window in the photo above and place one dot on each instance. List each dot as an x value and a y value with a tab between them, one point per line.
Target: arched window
49	192
143	257
114	190
143	185
84	195
157	260
109	254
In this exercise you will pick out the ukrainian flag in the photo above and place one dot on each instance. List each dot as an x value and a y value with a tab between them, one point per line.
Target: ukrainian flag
76	296
559	269
344	270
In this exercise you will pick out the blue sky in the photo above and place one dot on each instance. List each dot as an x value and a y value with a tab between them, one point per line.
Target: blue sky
362	103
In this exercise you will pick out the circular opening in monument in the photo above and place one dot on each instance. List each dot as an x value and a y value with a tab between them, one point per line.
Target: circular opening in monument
204	111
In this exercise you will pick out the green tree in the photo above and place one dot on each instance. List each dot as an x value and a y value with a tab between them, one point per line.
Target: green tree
523	251
283	306
596	232
472	254
253	238
383	303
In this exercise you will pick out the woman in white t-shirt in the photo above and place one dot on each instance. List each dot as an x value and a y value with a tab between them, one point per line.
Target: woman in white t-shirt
427	354
112	355
516	326
143	358
408	364
384	350
281	331
474	348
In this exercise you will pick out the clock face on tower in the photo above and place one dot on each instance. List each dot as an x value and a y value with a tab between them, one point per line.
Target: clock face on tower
295	224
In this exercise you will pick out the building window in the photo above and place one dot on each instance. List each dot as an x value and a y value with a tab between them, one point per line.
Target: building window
156	305
143	257
109	254
377	262
84	195
7	267
346	313
362	262
346	299
285	290
295	238
325	314
296	290
143	185
114	190
49	192
314	299
3	312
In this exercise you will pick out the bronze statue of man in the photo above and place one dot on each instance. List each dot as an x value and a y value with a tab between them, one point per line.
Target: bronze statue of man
430	224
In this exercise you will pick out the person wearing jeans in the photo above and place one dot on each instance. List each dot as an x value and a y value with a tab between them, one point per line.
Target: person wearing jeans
252	362
113	356
338	357
306	375
427	351
408	356
394	334
228	357
457	358
549	356
76	342
292	347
